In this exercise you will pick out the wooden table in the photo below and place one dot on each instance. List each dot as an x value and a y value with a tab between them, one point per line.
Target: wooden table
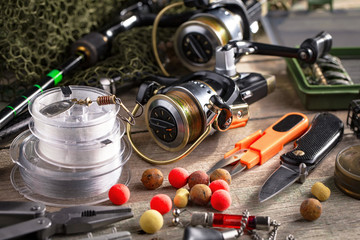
340	218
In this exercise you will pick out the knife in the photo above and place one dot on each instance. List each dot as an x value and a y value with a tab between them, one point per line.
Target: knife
324	133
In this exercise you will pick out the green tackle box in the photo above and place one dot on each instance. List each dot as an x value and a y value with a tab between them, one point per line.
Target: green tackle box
328	97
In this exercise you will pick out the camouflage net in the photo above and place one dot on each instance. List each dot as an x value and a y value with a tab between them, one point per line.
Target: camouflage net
36	37
131	59
284	5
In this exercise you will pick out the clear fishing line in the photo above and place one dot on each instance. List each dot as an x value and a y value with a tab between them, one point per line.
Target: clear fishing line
72	152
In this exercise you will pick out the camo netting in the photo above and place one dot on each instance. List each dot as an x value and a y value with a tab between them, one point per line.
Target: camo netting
131	59
36	37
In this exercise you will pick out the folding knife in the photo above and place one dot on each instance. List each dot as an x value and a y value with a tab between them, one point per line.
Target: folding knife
324	133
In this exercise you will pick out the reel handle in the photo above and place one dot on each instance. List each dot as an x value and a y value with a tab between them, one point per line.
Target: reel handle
318	45
224	118
310	50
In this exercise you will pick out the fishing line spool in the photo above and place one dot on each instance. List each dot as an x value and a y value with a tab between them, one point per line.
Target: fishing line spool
74	156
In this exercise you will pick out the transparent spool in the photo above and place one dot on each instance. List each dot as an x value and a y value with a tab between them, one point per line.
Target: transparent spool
80	123
73	158
80	154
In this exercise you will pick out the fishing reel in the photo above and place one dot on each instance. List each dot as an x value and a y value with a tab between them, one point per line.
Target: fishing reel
202	28
214	24
200	31
222	21
180	111
198	103
194	106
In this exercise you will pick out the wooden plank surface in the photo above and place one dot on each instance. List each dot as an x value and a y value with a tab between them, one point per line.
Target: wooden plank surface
340	218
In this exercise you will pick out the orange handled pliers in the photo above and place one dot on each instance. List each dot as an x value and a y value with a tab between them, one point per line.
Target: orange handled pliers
261	146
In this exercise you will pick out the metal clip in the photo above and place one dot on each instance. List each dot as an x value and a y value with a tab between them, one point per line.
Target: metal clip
176	217
131	119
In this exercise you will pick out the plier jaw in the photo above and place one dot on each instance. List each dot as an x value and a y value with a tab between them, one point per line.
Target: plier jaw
24	218
81	219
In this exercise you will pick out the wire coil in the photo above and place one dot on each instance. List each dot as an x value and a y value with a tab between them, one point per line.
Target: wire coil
105	100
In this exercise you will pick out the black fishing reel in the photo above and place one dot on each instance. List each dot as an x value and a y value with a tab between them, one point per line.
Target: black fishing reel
201	28
213	24
216	24
205	26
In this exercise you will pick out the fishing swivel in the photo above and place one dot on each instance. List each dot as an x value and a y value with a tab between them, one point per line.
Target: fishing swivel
59	107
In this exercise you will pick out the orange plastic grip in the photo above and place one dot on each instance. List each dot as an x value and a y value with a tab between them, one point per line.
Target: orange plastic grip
273	139
237	123
244	143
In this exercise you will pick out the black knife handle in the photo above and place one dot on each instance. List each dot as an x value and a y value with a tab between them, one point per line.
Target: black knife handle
324	133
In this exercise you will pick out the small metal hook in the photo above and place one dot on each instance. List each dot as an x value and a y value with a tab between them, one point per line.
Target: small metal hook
131	119
142	110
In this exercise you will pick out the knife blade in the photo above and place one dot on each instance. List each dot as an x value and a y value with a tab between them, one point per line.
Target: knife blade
226	161
310	149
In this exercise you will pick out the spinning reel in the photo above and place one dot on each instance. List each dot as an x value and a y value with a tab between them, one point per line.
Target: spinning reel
214	24
222	21
195	106
207	25
180	111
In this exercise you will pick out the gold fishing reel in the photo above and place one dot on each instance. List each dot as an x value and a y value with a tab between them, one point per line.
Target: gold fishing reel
188	112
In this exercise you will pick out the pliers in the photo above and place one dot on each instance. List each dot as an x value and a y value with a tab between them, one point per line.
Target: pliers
31	218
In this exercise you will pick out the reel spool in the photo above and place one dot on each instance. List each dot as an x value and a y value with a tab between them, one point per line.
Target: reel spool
74	156
197	39
178	116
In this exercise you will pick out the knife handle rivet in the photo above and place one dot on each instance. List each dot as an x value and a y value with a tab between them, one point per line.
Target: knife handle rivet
303	173
299	153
